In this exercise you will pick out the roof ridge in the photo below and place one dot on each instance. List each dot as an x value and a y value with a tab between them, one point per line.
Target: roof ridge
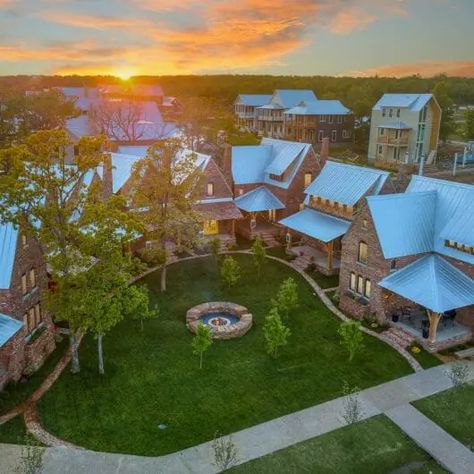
381	197
360	167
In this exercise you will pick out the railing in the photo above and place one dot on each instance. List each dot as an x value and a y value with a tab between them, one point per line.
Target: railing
385	140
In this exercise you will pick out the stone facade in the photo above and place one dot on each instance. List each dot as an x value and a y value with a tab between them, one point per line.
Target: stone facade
34	342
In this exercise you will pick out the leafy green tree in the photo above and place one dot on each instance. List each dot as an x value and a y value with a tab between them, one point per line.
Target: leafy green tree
469	127
230	271
259	254
166	185
215	245
351	337
276	334
441	92
287	297
201	341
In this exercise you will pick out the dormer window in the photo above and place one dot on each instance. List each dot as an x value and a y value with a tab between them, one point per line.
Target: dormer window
210	189
363	256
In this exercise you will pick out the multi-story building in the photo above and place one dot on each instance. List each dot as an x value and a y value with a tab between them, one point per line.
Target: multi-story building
26	329
403	128
408	260
311	122
332	202
245	110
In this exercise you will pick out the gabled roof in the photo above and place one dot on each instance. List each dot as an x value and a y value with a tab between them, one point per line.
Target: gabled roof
433	283
319	107
420	220
80	127
122	167
289	98
254	164
84	97
8	240
404	222
259	199
316	224
8	328
346	184
413	102
253	100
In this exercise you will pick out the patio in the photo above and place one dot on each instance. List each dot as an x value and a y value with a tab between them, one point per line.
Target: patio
314	256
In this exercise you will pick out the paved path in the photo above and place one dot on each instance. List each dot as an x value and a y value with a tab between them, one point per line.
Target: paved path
279	433
449	452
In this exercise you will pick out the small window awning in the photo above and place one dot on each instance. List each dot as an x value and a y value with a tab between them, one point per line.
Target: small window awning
8	328
316	224
433	283
259	199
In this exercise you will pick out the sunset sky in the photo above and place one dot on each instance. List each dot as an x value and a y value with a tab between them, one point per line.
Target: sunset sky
301	37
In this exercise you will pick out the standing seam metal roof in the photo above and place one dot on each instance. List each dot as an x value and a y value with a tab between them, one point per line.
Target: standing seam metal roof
8	241
8	328
259	199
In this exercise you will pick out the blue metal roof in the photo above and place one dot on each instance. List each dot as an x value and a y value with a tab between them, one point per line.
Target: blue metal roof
254	100
288	98
319	107
316	224
84	97
8	239
404	222
8	328
122	166
80	126
136	150
433	283
413	102
346	184
454	209
259	199
254	164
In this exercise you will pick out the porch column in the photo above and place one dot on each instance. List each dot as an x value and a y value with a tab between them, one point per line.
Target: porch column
233	226
434	321
330	247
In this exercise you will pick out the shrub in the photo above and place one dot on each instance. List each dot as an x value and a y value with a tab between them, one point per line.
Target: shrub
225	452
153	256
230	271
275	332
351	337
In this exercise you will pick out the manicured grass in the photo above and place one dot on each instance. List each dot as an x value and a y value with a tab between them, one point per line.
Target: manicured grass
16	393
372	446
13	431
324	281
153	377
453	410
426	359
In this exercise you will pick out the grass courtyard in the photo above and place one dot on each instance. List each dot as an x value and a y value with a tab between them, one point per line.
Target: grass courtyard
152	377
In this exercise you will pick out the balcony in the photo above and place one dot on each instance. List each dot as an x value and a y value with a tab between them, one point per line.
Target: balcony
245	115
270	118
392	141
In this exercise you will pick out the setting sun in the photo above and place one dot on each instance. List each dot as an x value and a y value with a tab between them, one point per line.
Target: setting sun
124	74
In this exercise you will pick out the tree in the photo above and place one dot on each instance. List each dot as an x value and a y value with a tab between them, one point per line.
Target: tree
276	334
215	248
142	312
225	452
352	407
351	337
230	271
201	341
78	231
259	254
458	374
441	93
469	127
166	186
287	297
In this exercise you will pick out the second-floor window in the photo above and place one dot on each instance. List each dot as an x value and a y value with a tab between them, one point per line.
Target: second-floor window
339	118
32	278
24	284
381	131
362	256
334	135
320	135
331	118
322	118
308	177
210	189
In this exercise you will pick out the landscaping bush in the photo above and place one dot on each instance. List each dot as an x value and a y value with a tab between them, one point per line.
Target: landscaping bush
152	256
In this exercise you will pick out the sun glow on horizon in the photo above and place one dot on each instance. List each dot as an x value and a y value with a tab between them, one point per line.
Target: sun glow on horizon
125	74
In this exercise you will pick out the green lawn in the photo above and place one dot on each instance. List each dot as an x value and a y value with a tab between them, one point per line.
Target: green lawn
13	431
372	446
453	410
153	377
426	359
15	393
324	281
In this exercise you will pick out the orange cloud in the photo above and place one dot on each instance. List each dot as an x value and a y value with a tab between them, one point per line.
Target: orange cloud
349	20
424	69
94	22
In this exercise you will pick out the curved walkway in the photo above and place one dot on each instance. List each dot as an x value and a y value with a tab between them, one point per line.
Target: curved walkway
29	409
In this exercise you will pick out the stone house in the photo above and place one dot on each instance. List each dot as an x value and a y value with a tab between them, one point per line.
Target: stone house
26	329
268	182
332	201
408	260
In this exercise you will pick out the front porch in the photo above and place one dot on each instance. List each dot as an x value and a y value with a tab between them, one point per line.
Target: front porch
324	262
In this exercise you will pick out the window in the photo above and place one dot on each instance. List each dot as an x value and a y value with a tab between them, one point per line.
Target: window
383	112
334	135
31	319
368	288
393	264
241	191
24	240
331	118
308	177
390	113
380	149
320	135
322	118
32	278
398	113
360	285
210	189
339	118
364	223
346	134
362	256
352	283
381	131
24	286
37	314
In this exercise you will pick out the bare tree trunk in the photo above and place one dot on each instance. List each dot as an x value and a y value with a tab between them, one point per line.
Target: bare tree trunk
163	278
75	367
141	324
100	353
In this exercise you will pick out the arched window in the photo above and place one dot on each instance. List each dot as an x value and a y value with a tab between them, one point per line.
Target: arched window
363	254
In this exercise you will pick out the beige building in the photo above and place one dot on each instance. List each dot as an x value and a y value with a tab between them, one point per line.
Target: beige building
403	128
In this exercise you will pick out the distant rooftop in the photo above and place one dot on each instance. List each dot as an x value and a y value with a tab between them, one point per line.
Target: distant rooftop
413	102
319	107
289	98
254	100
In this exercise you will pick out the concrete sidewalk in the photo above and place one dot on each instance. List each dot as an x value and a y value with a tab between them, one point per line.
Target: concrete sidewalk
276	434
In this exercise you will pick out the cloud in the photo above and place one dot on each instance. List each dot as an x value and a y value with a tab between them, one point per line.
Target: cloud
347	21
93	22
424	69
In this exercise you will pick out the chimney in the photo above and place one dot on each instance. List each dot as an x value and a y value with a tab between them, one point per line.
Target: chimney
324	153
227	164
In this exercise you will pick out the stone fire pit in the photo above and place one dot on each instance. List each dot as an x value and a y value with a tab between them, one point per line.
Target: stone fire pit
226	320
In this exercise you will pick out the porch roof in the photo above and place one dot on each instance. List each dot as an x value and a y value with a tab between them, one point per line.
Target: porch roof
433	283
8	328
219	211
316	224
259	199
